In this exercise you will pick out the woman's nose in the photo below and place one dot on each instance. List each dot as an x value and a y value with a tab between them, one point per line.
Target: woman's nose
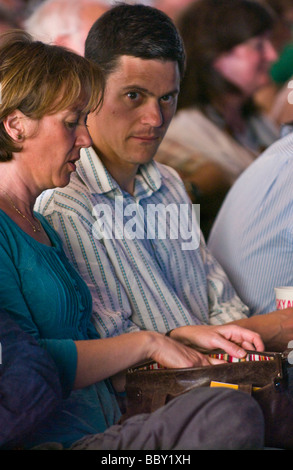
83	138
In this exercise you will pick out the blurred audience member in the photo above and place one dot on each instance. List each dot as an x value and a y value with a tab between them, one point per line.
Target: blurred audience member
14	6
217	131
282	68
282	73
65	22
8	20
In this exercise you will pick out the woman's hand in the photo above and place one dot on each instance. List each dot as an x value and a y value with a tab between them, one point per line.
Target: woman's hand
106	357
233	339
168	353
175	354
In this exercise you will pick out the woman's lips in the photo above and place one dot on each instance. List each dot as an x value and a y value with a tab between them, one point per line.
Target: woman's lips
72	164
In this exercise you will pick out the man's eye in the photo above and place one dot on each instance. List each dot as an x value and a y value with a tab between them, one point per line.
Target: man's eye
133	95
167	98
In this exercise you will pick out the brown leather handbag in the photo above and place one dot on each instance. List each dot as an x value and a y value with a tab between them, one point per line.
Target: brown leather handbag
263	375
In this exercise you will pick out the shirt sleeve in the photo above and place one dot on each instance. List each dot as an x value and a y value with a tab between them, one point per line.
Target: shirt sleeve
29	385
63	351
112	311
224	304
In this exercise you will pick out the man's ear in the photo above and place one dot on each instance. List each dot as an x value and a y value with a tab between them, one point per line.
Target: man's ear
14	125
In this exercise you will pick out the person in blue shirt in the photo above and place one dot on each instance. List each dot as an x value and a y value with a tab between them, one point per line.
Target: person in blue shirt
252	235
47	92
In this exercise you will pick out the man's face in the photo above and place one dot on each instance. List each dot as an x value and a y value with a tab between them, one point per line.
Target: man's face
140	101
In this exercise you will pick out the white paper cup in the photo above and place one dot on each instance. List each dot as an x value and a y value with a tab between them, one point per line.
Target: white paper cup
284	297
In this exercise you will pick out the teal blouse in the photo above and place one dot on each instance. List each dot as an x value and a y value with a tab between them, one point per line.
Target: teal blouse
49	300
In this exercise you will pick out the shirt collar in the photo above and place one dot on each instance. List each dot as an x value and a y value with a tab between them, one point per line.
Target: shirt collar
286	129
95	175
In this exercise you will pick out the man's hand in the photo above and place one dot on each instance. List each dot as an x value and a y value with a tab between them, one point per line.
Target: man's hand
233	339
275	328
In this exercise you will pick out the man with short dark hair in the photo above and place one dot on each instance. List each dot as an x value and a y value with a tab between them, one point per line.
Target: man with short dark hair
126	221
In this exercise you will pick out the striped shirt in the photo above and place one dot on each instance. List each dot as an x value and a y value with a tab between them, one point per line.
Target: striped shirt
139	277
253	235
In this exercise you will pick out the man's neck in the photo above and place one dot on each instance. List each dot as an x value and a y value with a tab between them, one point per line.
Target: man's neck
125	183
124	174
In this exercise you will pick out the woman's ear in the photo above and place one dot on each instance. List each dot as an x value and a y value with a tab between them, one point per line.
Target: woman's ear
14	125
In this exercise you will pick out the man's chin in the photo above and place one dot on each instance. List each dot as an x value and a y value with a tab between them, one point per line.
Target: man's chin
145	159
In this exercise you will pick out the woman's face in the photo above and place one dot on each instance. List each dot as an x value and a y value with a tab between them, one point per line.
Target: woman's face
247	64
52	146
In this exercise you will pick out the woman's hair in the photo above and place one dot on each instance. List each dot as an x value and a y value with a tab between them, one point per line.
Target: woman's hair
209	28
40	79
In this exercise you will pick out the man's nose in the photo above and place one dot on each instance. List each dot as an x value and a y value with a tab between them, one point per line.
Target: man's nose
152	115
